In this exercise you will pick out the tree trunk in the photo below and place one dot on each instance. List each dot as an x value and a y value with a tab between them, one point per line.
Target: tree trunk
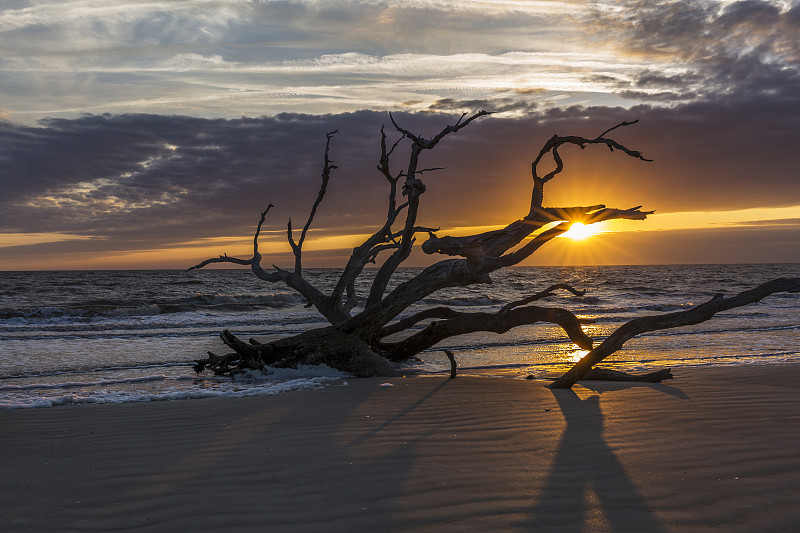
323	346
346	346
347	343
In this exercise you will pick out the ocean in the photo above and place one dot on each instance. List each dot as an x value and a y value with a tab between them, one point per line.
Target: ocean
78	337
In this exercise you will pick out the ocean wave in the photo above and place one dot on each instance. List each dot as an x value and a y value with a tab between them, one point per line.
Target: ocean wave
76	384
464	301
634	308
159	387
644	290
277	299
754	314
110	368
110	308
717	331
665	308
131	396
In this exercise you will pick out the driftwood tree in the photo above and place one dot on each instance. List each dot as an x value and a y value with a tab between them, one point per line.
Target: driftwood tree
359	342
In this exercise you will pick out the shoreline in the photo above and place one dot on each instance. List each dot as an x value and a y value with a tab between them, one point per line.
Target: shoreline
714	449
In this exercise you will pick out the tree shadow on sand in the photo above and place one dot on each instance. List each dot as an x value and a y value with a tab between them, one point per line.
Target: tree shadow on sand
609	386
588	488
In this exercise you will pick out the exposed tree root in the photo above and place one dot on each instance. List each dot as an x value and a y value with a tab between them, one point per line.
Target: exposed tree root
323	346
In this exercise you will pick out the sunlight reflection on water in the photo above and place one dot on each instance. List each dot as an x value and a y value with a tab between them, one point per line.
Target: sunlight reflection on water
576	355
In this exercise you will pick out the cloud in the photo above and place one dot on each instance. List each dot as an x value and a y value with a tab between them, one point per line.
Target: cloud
152	180
302	29
159	178
496	105
716	86
218	58
225	58
213	85
733	49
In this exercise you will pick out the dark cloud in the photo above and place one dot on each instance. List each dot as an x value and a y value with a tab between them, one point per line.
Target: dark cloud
729	72
661	96
711	155
732	50
750	13
649	78
494	105
102	175
142	181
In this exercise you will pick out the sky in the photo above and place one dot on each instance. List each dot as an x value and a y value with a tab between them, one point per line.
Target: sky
150	134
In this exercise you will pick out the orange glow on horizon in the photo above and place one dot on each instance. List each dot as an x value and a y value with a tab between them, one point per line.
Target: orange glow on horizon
332	249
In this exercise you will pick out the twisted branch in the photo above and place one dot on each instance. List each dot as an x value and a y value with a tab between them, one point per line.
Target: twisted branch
460	323
485	250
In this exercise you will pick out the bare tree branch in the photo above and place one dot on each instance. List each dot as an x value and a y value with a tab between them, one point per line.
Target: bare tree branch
552	146
498	322
222	259
258	228
424	170
368	251
331	309
326	175
413	188
446	312
400	325
543	294
253	261
620	125
485	249
646	324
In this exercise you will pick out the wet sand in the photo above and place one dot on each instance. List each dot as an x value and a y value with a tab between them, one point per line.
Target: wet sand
714	450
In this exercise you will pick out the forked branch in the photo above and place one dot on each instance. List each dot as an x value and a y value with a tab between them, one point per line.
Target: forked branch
254	262
330	308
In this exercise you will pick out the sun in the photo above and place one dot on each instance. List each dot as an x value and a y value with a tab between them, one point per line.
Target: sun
579	231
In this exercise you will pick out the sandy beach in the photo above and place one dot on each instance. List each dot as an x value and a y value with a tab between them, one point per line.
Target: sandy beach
714	450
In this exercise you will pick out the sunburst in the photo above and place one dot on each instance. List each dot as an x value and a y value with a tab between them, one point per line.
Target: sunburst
579	231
